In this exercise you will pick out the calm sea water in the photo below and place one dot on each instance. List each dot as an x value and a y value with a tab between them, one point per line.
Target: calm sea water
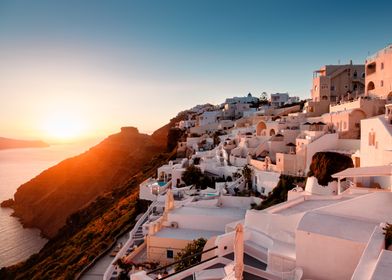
17	166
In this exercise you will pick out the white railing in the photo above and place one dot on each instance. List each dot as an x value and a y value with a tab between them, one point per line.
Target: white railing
109	271
239	183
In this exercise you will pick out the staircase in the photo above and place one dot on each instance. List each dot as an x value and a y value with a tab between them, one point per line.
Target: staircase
138	236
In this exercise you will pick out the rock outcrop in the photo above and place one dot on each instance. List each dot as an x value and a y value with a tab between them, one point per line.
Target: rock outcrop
48	199
325	164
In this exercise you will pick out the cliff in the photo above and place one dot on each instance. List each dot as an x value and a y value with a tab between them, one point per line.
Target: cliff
47	200
87	232
7	143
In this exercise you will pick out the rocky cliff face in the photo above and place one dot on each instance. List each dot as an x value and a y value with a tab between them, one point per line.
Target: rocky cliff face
325	164
47	200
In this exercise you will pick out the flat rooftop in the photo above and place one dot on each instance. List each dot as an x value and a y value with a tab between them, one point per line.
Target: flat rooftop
305	206
337	226
234	213
353	219
383	270
186	234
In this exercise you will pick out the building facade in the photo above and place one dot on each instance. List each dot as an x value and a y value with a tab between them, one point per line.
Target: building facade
338	82
379	74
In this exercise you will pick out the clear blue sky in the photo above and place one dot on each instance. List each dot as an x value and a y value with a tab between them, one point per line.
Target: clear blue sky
115	63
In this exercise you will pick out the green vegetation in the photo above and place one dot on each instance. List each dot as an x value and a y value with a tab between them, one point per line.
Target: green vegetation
87	233
174	135
196	246
279	193
247	173
193	176
388	235
325	164
263	99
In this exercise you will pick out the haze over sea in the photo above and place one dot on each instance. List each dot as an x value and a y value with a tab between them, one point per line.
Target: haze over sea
18	166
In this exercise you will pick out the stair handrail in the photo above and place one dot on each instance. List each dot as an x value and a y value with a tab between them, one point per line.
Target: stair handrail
109	271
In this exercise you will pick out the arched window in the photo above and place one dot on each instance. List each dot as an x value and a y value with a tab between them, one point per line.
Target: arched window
370	86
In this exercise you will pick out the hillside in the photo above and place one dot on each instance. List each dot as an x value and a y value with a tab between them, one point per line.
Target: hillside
47	200
88	232
7	143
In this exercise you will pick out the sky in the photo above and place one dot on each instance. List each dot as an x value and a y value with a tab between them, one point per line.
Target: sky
89	67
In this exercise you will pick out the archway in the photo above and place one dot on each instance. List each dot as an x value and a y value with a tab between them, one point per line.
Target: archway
272	132
260	127
389	97
370	86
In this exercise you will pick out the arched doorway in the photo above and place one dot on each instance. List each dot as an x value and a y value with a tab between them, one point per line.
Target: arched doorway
272	132
370	86
260	127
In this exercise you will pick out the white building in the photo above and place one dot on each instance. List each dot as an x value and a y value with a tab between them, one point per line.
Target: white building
245	99
209	117
376	139
279	99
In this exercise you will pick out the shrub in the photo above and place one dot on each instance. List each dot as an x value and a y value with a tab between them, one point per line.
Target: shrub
247	173
192	175
279	193
388	235
196	246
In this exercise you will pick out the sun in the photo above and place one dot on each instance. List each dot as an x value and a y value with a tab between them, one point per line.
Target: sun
64	126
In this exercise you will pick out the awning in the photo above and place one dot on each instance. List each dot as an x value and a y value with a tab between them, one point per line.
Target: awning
369	171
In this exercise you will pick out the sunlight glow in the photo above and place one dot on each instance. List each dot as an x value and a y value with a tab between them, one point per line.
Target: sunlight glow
64	126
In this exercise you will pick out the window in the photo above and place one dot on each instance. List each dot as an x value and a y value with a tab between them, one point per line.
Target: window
381	83
332	88
382	65
262	190
355	74
372	138
170	254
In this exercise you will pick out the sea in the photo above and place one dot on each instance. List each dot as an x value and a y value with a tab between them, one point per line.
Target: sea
18	166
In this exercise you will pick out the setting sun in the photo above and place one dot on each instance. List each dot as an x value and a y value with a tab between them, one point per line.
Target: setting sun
64	126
